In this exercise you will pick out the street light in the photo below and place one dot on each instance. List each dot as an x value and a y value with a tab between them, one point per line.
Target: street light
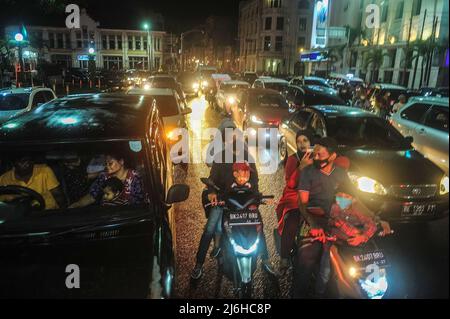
18	37
146	27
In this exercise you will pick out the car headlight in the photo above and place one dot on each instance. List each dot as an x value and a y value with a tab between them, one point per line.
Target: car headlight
195	85
205	84
231	100
146	86
256	120
443	188
367	185
171	136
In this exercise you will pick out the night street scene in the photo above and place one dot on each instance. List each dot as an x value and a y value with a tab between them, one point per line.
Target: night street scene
224	150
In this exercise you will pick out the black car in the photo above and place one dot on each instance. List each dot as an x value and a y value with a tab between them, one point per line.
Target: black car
393	179
308	95
121	251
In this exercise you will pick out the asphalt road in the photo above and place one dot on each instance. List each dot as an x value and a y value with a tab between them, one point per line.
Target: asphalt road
418	254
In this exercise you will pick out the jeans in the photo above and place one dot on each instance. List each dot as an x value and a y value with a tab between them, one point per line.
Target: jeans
213	226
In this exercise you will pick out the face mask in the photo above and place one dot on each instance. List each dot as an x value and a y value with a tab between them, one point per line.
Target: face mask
343	202
321	164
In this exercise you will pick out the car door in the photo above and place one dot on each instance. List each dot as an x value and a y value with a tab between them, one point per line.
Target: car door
434	136
409	122
299	121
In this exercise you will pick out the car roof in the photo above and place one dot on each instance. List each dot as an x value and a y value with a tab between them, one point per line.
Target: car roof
443	101
341	110
262	91
165	76
24	90
314	78
151	91
81	117
236	82
389	86
272	80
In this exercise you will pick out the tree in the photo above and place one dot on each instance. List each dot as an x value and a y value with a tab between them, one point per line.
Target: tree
333	55
6	58
375	59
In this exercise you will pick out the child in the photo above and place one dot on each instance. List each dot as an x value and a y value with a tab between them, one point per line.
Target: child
112	191
241	173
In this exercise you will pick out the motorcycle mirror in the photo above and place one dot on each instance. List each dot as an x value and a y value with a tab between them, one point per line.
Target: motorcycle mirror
209	183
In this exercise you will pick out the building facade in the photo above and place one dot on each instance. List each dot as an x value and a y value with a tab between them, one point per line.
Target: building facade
273	34
113	49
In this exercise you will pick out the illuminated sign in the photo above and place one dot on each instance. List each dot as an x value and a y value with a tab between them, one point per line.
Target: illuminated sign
312	57
320	24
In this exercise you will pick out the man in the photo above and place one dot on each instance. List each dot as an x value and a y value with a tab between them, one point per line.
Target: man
401	103
39	178
222	176
317	189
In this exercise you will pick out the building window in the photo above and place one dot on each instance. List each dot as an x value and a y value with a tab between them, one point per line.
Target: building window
301	42
112	62
302	24
63	60
384	13
157	62
417	7
388	76
280	23
268	23
400	7
51	39
79	42
68	41
138	63
392	57
104	44
130	42
137	42
60	41
275	3
278	44
85	33
145	43
119	42
112	42
267	44
303	5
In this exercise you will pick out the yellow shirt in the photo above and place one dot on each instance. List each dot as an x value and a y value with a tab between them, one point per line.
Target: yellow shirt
42	181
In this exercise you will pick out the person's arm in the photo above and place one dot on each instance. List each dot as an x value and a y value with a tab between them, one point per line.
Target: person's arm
86	200
94	192
59	197
291	166
137	191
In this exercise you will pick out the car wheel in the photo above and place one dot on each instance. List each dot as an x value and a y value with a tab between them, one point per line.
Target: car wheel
282	151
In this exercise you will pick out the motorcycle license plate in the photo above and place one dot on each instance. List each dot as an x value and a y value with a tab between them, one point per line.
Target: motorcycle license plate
411	210
244	218
371	257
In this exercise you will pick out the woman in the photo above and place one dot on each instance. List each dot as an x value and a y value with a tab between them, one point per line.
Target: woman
133	192
287	209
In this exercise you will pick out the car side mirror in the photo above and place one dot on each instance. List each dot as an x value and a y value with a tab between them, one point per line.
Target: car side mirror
177	193
187	111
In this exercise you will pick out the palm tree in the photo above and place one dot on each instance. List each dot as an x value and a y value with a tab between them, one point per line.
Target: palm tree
333	55
375	59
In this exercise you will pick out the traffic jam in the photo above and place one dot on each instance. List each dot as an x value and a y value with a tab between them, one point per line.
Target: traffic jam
192	178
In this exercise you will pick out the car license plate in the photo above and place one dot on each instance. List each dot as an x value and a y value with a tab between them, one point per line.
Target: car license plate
373	257
411	210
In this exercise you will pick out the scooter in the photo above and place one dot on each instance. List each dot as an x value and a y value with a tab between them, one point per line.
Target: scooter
241	236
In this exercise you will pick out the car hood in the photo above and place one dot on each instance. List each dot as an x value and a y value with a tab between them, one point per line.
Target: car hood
6	115
270	114
393	167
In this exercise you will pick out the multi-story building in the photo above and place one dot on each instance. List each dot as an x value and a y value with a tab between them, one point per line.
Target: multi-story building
273	34
115	49
402	23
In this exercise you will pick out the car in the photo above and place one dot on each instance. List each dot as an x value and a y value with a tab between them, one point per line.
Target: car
429	91
250	77
339	80
21	100
125	251
164	82
426	120
299	96
266	82
227	92
382	88
391	177
310	80
172	108
189	84
262	108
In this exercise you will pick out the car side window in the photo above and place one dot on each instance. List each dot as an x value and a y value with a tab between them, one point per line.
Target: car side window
299	97
317	125
48	96
39	98
300	120
416	112
258	84
437	118
290	96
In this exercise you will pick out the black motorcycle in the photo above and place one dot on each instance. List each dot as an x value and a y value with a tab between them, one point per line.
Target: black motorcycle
241	235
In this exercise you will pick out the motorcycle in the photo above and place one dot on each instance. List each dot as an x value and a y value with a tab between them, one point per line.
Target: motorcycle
241	235
359	272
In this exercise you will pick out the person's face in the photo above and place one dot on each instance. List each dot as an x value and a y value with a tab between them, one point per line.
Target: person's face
322	157
241	177
113	165
303	143
108	194
24	167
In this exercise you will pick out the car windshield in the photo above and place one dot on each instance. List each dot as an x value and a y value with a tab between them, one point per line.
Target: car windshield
269	101
276	86
13	101
316	82
167	105
187	79
163	82
231	88
100	175
364	132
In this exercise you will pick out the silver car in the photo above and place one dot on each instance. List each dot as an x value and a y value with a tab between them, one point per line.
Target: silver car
426	120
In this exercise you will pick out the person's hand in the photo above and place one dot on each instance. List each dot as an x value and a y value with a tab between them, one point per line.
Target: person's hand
213	199
306	160
318	234
357	240
386	228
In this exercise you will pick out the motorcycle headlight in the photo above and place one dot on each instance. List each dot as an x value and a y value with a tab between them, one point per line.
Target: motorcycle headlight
242	251
195	85
231	100
256	120
367	185
443	188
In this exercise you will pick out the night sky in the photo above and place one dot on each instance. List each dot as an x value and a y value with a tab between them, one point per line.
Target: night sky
180	15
